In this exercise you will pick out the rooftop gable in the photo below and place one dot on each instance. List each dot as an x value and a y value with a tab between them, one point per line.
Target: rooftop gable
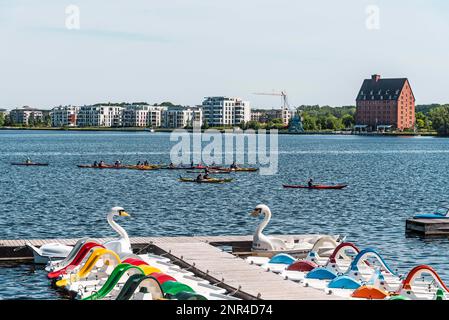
381	89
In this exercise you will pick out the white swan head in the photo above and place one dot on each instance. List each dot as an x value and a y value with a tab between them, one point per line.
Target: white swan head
260	209
119	211
121	245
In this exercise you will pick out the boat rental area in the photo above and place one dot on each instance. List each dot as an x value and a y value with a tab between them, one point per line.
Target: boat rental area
279	253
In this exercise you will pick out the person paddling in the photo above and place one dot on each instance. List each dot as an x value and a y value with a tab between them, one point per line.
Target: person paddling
310	183
28	160
199	178
233	165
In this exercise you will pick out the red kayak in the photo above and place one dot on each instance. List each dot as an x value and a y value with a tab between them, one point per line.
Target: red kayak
338	186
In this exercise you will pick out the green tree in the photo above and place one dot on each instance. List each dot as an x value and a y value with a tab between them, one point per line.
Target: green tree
2	119
309	122
421	124
277	121
423	121
253	125
348	120
243	125
440	119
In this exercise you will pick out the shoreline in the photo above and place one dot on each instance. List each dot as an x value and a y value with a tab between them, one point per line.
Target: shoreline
140	129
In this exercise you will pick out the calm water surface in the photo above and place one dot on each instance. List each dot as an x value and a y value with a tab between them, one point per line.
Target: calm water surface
389	180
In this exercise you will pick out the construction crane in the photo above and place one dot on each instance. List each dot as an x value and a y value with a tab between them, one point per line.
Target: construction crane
296	123
282	94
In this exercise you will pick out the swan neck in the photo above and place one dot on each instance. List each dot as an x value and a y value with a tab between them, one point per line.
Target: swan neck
114	225
263	224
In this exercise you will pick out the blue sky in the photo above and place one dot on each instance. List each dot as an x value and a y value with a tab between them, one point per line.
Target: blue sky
181	51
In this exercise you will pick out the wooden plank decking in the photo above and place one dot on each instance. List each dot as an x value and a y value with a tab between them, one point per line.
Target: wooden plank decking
428	227
235	273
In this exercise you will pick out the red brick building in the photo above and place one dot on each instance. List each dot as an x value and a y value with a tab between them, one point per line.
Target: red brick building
382	103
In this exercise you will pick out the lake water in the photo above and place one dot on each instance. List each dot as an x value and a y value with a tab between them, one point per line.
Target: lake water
390	179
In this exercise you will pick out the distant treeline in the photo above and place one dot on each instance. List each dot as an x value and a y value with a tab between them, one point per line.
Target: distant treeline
326	117
433	117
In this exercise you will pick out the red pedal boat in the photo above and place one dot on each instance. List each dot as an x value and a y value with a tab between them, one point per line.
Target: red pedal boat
338	186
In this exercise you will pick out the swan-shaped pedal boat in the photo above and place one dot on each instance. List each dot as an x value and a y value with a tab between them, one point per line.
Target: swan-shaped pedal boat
338	261
107	285
321	249
58	256
268	246
366	267
421	283
442	212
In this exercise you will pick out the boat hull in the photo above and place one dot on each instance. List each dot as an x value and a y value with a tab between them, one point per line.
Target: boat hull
336	187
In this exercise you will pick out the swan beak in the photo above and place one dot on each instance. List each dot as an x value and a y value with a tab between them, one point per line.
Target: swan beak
61	283
123	214
255	213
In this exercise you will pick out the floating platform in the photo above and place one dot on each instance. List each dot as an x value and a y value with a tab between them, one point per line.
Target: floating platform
206	257
428	227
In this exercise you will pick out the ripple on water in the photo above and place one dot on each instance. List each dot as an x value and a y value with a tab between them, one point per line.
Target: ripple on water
389	180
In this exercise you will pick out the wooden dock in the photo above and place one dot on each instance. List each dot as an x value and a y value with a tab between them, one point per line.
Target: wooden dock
428	227
205	257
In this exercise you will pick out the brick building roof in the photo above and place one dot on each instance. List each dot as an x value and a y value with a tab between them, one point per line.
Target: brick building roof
381	89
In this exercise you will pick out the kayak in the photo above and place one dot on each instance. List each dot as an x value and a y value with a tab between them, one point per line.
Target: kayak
107	166
338	186
189	168
211	180
210	172
239	169
29	164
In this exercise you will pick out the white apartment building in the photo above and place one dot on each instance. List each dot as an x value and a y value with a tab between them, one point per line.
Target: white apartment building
256	116
143	116
64	116
4	112
284	113
180	117
224	111
100	116
24	115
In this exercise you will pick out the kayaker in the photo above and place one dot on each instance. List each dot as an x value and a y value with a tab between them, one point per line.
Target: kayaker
146	163
191	164
200	177
310	183
101	164
206	170
95	164
171	165
206	176
233	165
117	163
28	160
138	163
